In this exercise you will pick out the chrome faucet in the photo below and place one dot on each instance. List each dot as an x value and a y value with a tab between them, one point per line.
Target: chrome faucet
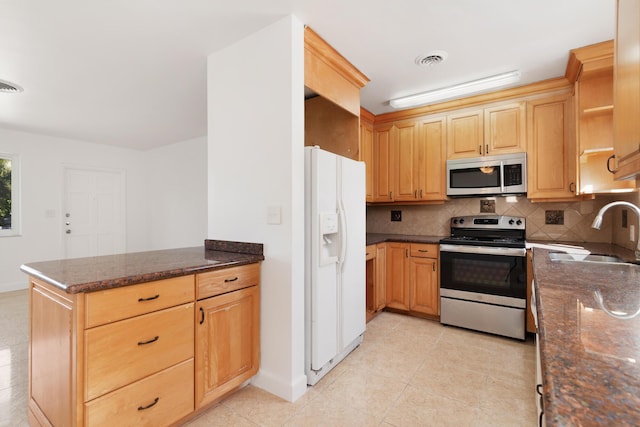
597	222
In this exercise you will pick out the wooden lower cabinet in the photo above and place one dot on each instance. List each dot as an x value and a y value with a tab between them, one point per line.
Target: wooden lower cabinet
228	343
139	362
166	395
375	280
397	276
412	278
530	322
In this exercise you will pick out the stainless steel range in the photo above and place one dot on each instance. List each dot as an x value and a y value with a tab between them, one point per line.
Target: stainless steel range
483	275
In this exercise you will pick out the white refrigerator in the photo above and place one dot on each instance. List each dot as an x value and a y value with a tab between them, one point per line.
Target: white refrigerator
335	240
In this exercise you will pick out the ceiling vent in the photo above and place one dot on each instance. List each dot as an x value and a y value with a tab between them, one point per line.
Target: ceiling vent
432	58
9	87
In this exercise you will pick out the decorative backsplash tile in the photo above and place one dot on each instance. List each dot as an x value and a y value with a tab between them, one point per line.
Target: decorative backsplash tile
433	220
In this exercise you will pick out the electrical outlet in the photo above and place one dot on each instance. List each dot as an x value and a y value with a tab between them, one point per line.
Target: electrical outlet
396	215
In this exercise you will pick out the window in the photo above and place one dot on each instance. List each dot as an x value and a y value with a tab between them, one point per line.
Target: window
9	195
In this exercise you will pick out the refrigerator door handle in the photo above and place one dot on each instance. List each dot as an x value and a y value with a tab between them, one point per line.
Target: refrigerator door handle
343	234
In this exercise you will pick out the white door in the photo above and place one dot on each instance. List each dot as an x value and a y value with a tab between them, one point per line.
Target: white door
93	212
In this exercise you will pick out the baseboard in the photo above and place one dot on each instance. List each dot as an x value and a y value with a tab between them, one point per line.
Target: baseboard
14	286
287	391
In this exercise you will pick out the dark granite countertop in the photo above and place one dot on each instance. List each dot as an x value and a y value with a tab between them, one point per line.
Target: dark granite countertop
590	359
373	238
110	271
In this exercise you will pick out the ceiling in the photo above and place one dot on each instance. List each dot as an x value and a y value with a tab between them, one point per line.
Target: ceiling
132	73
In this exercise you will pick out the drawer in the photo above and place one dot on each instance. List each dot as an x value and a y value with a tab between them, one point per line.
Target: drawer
226	280
126	351
424	250
110	305
160	399
370	252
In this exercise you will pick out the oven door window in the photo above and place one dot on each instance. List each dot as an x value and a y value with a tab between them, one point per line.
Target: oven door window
489	274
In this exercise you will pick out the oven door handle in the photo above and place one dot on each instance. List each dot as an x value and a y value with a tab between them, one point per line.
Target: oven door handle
484	250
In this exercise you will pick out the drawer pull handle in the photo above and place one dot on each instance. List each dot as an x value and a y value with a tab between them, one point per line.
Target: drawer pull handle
201	315
142	408
423	250
149	299
230	280
157	337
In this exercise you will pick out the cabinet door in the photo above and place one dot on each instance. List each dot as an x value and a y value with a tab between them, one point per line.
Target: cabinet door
531	324
551	151
423	273
504	129
397	276
404	146
227	342
465	136
626	89
370	280
381	279
383	164
430	156
366	153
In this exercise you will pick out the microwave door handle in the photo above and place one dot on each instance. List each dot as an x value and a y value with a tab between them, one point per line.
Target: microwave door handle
502	188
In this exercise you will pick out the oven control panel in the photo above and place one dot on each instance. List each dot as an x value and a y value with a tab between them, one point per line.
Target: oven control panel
503	222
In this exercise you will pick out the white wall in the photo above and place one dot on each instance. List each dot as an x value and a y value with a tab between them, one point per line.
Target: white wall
177	185
42	159
256	160
164	186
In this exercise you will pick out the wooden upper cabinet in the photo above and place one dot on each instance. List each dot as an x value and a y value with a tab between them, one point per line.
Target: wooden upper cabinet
331	128
551	149
591	68
366	150
504	129
465	134
404	144
626	90
430	155
330	75
383	186
496	129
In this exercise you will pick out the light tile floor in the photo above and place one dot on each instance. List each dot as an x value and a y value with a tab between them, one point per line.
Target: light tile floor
407	372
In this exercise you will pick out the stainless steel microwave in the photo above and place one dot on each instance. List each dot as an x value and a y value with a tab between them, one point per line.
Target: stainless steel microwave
505	174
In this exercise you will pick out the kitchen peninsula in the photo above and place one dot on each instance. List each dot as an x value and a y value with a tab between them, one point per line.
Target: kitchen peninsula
589	338
146	338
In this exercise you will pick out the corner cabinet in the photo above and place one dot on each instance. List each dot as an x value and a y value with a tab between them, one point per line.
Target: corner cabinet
227	331
551	152
626	90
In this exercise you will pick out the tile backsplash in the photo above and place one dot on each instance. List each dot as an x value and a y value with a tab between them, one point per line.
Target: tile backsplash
433	220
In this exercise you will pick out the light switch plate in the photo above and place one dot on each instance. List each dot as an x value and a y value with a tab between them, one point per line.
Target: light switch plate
274	215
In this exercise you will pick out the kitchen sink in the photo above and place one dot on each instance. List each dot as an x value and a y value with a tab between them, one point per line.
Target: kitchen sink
592	258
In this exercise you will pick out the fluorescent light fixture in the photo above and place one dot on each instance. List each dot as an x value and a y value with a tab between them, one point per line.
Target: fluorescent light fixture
457	91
